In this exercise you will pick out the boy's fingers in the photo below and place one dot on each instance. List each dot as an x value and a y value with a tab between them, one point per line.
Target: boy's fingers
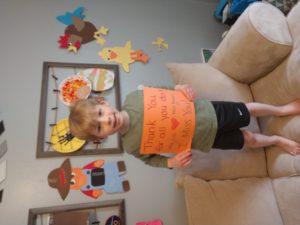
184	154
188	162
188	91
184	159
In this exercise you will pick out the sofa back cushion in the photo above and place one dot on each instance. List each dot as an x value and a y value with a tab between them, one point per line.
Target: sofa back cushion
244	201
209	82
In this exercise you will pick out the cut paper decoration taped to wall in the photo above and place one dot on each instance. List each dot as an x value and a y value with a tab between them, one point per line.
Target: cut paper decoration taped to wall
73	88
113	220
98	35
91	180
123	55
160	43
62	140
2	171
100	79
153	222
79	31
169	122
67	17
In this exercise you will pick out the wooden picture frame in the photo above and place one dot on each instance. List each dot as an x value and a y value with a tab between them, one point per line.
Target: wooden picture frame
52	110
102	209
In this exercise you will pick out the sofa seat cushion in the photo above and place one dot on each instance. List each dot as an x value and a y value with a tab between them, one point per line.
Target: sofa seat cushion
279	162
287	192
279	87
282	164
244	201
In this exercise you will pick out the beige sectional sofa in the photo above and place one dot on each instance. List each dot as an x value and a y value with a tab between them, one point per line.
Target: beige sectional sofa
258	60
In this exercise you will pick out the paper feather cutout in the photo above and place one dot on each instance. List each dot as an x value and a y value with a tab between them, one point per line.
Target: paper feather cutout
98	35
160	44
67	17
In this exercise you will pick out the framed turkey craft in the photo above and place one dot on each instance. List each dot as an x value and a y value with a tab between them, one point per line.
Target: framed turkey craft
62	85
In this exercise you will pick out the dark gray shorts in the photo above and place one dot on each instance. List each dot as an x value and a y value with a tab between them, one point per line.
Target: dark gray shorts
231	117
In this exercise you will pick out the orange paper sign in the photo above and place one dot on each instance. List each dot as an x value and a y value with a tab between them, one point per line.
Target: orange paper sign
169	122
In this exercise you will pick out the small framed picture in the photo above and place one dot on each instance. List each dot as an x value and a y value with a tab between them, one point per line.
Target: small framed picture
206	53
62	85
98	213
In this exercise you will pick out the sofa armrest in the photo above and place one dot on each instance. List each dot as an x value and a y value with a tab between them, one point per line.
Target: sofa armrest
293	22
255	44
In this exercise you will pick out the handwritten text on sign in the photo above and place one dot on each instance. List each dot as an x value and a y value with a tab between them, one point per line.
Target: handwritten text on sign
169	122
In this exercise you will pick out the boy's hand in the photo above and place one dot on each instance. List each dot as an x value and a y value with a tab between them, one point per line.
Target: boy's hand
187	90
180	160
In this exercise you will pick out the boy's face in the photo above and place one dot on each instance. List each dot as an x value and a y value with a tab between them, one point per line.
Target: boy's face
108	120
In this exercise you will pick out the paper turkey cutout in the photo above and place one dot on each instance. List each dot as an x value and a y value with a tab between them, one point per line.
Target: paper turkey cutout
79	31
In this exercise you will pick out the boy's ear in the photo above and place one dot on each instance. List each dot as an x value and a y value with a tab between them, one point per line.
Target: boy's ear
101	100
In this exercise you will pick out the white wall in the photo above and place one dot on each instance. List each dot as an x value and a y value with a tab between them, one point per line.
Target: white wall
29	33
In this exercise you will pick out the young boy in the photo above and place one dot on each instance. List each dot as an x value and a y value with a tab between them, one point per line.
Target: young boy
217	125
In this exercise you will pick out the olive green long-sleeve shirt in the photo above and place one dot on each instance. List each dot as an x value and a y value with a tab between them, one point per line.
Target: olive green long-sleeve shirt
204	135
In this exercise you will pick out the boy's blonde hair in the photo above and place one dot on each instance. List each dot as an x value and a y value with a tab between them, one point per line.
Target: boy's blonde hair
81	119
